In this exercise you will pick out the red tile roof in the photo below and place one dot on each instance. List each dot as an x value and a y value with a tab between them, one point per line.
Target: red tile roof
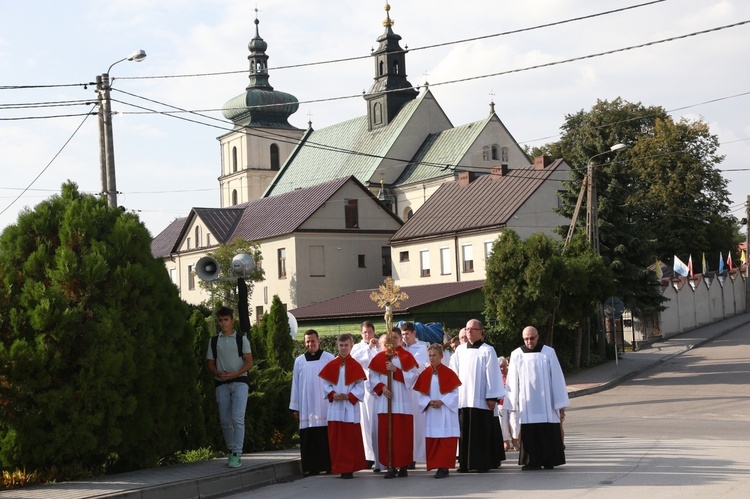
487	202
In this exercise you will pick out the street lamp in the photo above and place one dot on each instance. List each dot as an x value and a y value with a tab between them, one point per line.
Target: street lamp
106	143
592	207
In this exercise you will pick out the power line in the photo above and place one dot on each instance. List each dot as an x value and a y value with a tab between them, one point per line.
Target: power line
436	45
50	162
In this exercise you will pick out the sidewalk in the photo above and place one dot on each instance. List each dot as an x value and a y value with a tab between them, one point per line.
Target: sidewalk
213	479
631	364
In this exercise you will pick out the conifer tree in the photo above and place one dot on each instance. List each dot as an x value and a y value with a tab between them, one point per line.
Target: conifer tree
96	355
279	343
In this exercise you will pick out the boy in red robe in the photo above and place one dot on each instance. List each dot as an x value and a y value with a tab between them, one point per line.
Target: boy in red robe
438	399
343	385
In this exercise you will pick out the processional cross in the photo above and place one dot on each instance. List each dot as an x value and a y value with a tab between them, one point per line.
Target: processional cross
388	296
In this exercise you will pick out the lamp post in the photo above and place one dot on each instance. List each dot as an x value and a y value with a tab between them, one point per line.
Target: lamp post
106	143
592	207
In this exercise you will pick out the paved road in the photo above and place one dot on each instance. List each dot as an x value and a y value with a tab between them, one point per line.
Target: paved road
681	430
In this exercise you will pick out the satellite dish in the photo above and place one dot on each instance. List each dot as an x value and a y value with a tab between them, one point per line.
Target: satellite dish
292	325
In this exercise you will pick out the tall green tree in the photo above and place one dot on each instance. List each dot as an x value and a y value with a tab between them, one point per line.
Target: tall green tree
533	282
664	195
279	342
96	354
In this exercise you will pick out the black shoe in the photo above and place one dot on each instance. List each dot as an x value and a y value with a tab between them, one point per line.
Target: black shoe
347	476
376	470
413	465
441	473
462	470
527	467
390	474
402	472
369	464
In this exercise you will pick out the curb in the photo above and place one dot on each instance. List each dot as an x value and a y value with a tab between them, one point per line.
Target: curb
220	485
611	384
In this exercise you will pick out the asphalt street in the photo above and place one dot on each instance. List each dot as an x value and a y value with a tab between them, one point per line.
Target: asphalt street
680	429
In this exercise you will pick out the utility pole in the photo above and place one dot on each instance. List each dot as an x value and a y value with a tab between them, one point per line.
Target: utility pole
109	145
106	140
102	142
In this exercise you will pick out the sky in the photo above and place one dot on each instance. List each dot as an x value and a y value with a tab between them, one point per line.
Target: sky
168	163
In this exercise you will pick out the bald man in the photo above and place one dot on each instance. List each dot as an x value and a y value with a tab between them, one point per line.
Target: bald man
537	393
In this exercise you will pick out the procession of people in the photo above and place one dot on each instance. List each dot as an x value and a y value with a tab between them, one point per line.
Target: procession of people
392	403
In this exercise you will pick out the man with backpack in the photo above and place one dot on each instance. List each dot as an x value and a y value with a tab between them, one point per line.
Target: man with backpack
229	359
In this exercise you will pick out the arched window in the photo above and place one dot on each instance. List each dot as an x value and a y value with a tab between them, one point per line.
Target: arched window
377	113
252	66
495	152
380	68
197	236
274	157
234	196
395	66
504	155
408	214
486	153
234	159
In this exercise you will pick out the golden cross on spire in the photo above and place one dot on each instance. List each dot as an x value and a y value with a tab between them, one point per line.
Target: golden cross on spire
388	21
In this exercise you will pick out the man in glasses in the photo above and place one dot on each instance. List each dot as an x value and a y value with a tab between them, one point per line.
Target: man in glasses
536	391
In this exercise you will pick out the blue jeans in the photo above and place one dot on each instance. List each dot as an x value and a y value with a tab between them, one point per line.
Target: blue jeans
232	401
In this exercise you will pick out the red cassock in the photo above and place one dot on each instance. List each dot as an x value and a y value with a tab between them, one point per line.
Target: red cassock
441	424
344	431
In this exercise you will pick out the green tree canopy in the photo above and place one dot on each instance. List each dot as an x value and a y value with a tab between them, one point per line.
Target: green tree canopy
533	282
96	354
662	196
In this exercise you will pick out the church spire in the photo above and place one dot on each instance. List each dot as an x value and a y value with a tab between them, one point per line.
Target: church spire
391	89
258	60
260	105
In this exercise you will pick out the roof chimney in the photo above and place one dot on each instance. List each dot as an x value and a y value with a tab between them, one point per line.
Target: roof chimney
465	178
542	162
499	171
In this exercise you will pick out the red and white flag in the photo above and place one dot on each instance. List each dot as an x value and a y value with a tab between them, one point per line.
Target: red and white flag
690	265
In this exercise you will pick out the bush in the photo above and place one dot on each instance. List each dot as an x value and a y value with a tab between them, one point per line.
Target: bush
96	357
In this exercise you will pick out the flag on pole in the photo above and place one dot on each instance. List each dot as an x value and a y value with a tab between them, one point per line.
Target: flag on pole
680	267
729	261
721	263
742	257
657	268
705	265
690	265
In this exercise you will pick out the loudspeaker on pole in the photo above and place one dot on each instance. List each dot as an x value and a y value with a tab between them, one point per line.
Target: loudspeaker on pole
208	268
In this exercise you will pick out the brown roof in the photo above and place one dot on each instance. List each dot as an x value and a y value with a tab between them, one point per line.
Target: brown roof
359	303
163	244
220	222
487	202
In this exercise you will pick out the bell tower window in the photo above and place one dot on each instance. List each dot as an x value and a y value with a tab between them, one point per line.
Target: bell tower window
234	159
274	157
234	196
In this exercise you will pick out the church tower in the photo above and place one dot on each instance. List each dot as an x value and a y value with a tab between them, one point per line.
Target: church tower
391	89
262	138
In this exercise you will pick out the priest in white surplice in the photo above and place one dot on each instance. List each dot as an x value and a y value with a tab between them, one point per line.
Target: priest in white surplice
536	390
309	406
480	446
419	350
363	352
